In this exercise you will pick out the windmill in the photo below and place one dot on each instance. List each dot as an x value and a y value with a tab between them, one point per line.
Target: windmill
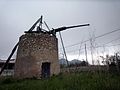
37	53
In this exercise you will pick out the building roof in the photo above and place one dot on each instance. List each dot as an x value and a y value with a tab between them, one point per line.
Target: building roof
11	61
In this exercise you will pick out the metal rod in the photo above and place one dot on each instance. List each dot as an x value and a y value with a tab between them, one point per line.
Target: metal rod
34	25
64	49
47	26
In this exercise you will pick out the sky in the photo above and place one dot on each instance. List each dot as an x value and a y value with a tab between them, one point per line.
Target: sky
17	16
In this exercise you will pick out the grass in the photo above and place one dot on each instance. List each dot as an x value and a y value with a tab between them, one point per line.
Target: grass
71	81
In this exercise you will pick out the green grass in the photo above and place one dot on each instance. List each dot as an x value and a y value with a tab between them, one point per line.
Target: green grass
73	81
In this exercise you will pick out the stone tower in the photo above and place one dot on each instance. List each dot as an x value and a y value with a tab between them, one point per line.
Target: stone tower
37	56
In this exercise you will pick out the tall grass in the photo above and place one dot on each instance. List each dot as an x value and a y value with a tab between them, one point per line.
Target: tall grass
68	81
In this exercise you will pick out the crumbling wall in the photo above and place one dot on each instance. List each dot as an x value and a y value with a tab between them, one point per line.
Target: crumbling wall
33	50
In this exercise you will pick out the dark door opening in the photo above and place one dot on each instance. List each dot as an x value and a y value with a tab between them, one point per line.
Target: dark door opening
45	70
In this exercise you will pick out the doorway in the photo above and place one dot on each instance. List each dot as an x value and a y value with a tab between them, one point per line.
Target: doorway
45	70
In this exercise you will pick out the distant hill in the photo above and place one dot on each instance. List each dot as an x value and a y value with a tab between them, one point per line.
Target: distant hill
64	62
75	61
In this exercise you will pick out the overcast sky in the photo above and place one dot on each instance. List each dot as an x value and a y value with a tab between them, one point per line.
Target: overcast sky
17	16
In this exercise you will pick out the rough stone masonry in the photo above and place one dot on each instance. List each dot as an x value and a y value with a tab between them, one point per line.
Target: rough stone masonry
34	50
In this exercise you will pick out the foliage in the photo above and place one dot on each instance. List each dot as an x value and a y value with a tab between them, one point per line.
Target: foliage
66	81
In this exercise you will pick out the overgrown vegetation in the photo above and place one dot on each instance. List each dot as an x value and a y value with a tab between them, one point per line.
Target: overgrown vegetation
67	81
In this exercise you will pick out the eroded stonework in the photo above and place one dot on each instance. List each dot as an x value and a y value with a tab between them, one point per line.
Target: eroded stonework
35	49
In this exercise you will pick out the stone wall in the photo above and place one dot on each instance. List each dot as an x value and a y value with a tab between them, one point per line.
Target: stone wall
33	50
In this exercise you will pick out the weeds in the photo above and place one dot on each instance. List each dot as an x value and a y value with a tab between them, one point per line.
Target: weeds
69	81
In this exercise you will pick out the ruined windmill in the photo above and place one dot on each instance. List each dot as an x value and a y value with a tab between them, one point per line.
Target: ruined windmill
37	54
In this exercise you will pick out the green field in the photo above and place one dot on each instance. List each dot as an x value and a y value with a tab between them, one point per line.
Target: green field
68	81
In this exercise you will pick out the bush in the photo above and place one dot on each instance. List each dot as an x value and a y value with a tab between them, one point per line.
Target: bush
7	80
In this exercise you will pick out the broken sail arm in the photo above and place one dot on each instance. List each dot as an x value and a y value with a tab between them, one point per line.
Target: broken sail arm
10	56
64	28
